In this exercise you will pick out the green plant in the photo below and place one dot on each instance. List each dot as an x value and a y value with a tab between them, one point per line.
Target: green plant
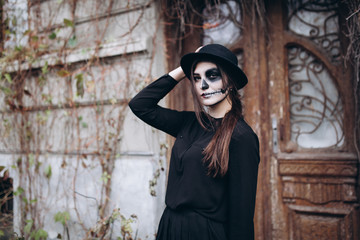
63	218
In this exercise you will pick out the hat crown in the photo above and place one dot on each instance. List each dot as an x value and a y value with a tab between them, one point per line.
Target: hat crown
220	51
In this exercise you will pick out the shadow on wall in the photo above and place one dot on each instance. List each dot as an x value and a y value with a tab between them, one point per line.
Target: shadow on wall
6	207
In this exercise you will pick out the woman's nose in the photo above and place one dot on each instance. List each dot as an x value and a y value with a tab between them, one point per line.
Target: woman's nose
204	85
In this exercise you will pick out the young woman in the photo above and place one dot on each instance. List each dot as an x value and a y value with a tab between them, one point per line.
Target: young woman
214	161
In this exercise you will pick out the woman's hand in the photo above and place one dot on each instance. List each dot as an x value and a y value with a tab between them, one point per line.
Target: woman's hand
177	74
197	50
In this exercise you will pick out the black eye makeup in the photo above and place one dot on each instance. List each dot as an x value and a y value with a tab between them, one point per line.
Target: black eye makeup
197	77
213	74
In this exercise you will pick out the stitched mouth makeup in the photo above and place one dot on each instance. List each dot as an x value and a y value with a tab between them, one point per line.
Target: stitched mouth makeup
210	94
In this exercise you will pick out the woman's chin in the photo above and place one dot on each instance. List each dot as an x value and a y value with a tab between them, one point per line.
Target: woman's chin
212	101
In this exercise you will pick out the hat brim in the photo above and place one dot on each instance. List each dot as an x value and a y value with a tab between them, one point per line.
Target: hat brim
231	69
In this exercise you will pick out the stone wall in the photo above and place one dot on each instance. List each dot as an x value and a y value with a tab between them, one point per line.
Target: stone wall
70	143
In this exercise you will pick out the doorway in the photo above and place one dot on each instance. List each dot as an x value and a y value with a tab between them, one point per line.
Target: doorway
299	100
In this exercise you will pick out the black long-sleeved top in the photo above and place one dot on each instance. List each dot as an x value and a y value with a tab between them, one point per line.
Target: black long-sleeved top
229	199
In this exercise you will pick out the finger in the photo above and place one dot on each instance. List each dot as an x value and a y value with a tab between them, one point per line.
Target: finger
197	50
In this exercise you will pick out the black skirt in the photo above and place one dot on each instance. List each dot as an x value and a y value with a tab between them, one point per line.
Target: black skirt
188	225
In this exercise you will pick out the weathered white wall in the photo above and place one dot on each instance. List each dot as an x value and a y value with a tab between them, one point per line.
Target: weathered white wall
76	181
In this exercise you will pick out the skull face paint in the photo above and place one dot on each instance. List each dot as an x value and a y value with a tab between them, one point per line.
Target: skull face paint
211	75
208	84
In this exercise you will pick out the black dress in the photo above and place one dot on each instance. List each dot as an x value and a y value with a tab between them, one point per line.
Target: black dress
199	206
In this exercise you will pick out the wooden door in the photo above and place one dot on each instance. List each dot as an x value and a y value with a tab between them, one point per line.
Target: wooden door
299	100
313	165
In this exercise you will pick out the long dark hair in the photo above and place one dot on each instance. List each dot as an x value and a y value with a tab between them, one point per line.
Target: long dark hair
216	154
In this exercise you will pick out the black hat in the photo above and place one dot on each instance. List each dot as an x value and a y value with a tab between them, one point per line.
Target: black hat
219	55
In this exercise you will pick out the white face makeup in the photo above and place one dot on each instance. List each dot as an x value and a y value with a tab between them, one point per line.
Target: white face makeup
208	84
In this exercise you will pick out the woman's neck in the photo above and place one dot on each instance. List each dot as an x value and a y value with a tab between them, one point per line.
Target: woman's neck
220	109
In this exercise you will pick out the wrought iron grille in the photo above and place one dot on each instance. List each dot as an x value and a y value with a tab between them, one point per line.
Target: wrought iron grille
316	111
222	23
318	21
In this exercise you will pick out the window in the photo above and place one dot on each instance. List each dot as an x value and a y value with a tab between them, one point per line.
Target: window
316	109
317	21
222	23
316	112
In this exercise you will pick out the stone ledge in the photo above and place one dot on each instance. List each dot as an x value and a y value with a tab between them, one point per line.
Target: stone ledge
83	54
